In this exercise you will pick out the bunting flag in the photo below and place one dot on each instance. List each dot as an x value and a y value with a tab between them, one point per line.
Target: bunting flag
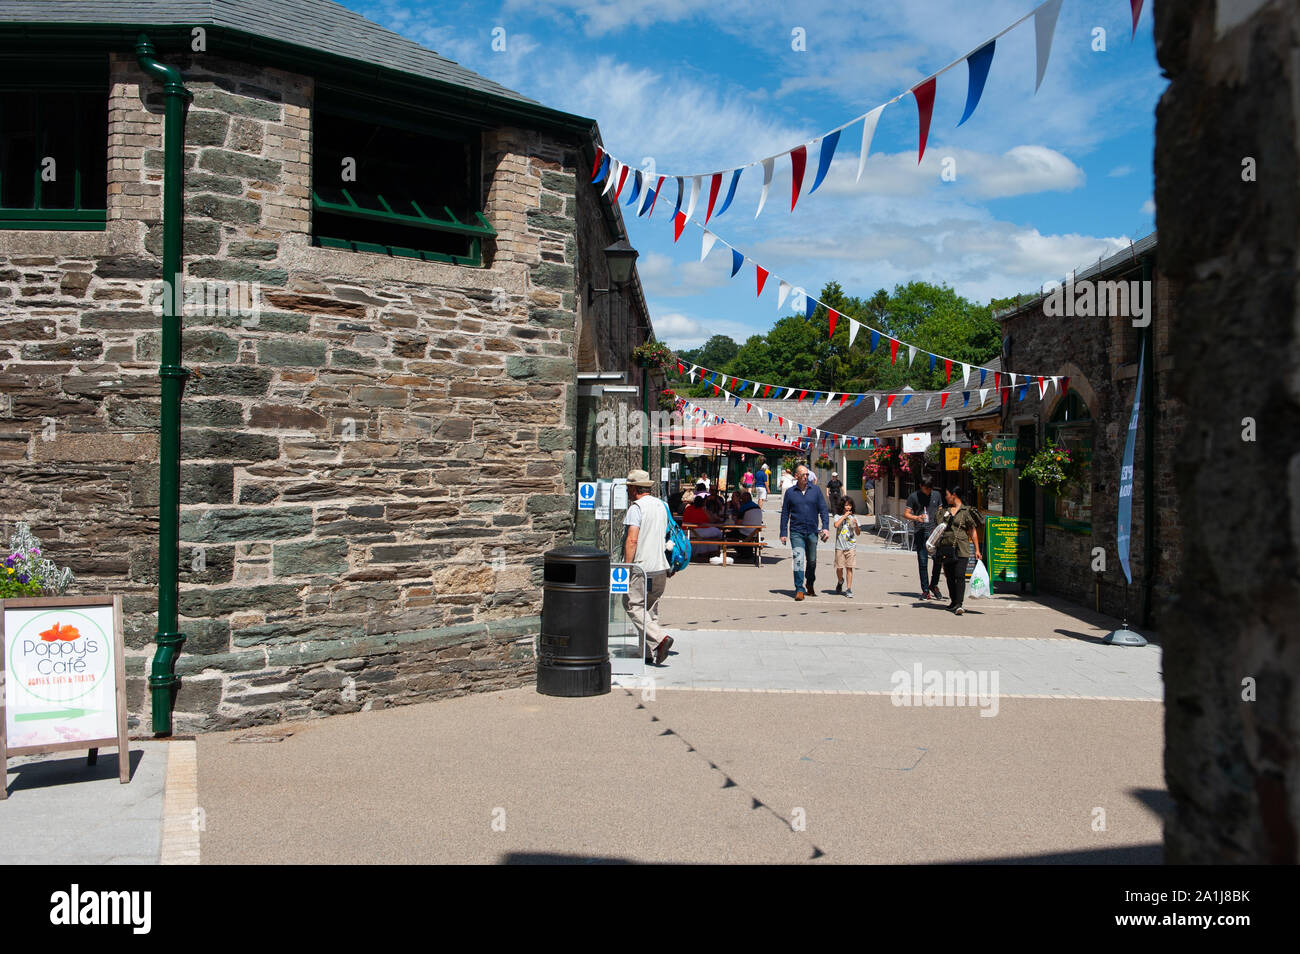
783	289
824	160
1137	12
984	395
731	192
868	131
875	340
706	245
600	155
768	165
965	374
924	94
798	159
679	223
893	351
737	260
636	187
947	370
943	399
965	398
602	171
714	185
681	192
695	196
834	317
761	273
854	328
978	64
1044	28
911	354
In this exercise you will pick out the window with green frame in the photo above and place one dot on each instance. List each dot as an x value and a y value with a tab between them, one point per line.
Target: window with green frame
1071	427
54	145
395	184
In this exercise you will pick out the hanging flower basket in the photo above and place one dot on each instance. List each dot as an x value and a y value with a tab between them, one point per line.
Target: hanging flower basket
1053	468
667	400
882	462
824	462
980	467
653	355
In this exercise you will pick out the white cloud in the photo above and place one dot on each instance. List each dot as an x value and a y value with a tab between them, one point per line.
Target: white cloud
682	332
1120	172
1149	207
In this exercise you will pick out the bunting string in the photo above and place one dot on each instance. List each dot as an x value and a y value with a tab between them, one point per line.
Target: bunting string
614	172
801	300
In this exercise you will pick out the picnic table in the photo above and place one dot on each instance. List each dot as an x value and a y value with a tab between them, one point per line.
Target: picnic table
753	541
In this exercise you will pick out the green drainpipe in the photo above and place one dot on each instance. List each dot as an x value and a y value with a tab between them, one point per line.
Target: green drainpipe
645	435
163	681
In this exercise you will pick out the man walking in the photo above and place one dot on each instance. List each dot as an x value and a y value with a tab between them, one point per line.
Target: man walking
760	484
955	546
646	527
802	508
921	510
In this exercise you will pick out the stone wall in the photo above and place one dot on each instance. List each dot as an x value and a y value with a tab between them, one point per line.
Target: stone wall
373	460
1100	355
1228	203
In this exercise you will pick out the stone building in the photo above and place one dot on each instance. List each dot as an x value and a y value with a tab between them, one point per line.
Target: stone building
1227	192
386	259
1097	349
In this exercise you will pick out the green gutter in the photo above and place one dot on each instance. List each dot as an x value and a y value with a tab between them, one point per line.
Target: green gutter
163	681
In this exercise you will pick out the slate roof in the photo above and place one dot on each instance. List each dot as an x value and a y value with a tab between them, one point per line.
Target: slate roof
319	26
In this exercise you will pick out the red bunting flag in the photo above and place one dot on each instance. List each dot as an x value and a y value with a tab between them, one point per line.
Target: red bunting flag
1065	385
780	420
997	380
925	109
762	278
681	369
889	402
802	395
947	370
943	398
1006	395
622	177
767	389
843	398
679	223
747	407
600	154
658	188
893	351
834	317
1137	12
714	186
715	390
798	160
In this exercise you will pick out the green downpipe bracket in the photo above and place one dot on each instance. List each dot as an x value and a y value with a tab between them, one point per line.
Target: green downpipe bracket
645	405
163	681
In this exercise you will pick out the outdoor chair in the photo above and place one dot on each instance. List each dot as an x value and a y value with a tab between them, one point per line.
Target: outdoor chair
898	528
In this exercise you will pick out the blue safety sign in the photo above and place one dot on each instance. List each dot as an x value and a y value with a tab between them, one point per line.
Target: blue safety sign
618	577
587	495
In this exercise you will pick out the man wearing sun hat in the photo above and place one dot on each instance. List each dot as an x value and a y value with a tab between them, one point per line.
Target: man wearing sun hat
646	528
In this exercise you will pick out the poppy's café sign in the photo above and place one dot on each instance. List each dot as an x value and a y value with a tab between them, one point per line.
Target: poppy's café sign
64	677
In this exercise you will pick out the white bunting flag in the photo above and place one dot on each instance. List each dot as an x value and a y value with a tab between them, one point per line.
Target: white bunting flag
614	168
928	399
694	368
783	289
1044	26
695	195
868	131
788	394
984	394
911	354
853	331
1056	381
965	375
755	388
767	183
876	398
706	245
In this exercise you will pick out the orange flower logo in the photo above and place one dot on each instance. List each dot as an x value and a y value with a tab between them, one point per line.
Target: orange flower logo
60	633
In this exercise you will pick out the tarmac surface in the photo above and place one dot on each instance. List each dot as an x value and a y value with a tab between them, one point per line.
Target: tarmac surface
877	729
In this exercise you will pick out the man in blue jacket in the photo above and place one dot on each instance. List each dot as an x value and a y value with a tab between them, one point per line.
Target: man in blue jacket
801	508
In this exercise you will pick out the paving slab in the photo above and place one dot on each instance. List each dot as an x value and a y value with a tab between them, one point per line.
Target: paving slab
61	811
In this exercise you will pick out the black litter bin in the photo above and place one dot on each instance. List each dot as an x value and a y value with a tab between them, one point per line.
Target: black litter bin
573	649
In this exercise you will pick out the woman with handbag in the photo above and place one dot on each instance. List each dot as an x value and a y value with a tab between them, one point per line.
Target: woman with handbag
961	532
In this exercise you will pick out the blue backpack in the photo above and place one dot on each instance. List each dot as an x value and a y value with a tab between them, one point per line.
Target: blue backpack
681	556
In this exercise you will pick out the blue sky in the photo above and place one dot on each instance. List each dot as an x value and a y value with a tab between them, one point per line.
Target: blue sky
1045	182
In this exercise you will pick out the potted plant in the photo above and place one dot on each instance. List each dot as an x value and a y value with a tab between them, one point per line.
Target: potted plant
1053	468
880	463
824	462
652	354
26	573
667	400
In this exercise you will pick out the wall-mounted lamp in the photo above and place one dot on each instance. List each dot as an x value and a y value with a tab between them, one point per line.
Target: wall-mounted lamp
620	258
